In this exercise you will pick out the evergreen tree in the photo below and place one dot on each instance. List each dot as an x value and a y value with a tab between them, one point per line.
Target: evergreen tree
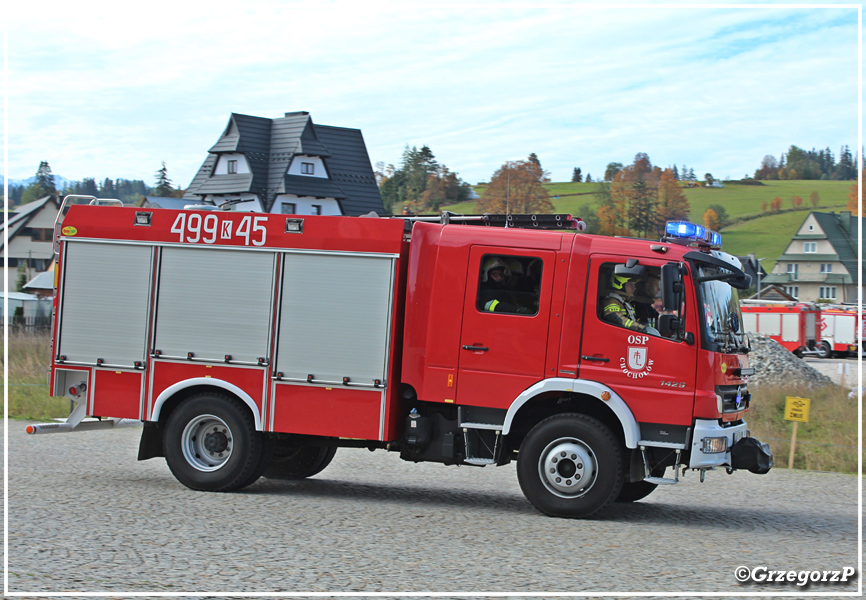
164	188
45	180
676	173
533	158
576	177
106	190
588	178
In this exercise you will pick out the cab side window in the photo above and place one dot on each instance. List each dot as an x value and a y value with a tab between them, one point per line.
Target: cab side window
509	284
629	296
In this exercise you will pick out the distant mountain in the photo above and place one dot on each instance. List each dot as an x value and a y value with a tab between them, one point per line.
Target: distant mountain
59	181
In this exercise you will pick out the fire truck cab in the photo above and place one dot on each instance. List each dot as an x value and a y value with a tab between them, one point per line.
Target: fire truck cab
256	345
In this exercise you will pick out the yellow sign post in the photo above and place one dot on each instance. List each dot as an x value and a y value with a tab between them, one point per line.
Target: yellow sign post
797	410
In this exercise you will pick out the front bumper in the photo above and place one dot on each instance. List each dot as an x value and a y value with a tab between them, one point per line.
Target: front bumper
710	429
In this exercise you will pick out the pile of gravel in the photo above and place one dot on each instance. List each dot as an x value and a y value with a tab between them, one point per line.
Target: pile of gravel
774	365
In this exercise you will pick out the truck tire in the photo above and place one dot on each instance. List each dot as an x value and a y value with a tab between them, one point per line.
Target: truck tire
570	465
824	350
292	462
211	444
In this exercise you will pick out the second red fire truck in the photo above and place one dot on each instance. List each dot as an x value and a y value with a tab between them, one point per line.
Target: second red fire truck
255	345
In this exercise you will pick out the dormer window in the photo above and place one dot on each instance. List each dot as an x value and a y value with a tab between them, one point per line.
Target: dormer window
233	167
308	168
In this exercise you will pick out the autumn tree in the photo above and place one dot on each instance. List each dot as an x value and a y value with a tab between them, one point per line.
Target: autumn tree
672	204
721	214
420	184
776	204
854	203
611	170
796	201
814	199
517	188
711	219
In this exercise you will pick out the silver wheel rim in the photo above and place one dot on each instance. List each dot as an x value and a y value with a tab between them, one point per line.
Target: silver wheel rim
207	443
568	468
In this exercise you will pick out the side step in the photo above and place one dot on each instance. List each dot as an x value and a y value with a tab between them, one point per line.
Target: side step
84	425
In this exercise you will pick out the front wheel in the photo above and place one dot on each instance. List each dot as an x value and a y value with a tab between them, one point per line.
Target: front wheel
570	465
211	444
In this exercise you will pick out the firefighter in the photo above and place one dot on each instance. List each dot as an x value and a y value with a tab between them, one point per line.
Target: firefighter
616	306
495	294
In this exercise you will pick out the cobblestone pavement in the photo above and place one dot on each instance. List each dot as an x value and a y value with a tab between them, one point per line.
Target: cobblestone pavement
85	516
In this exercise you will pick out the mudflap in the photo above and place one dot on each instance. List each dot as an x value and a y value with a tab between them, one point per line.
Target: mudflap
753	455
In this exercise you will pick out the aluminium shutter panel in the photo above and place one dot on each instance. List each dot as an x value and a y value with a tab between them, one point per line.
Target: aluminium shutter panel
335	317
106	294
213	302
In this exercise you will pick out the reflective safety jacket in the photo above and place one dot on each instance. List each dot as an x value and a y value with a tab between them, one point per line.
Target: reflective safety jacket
616	309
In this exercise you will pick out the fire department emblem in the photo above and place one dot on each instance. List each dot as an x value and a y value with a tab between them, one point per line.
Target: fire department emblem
636	358
636	363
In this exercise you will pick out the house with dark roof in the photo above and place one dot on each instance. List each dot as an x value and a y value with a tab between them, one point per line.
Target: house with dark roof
288	165
31	239
820	262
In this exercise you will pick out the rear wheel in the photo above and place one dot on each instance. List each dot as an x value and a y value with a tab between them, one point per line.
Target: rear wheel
824	350
570	465
291	461
211	444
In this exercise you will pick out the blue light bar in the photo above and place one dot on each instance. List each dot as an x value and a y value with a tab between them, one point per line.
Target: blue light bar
692	231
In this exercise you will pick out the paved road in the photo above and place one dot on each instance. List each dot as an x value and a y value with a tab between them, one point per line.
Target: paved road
85	516
842	371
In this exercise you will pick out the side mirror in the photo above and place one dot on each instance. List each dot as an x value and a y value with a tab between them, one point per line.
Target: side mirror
669	325
671	286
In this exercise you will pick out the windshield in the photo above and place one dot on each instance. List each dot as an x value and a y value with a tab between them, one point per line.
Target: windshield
722	320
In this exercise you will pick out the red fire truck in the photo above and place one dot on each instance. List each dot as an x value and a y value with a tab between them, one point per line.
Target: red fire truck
253	344
795	325
839	332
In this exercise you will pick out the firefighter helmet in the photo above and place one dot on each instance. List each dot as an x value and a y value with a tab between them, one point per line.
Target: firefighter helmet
493	262
622	274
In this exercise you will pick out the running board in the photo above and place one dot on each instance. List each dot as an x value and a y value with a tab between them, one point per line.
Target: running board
83	425
661	480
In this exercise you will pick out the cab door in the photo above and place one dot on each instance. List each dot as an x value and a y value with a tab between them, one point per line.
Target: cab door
654	375
501	354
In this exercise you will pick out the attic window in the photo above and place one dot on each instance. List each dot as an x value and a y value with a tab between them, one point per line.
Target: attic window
233	167
308	168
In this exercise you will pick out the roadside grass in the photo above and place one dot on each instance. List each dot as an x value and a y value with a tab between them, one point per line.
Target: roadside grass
29	398
828	442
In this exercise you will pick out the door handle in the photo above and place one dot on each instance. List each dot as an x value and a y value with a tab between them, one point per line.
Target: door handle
476	348
595	358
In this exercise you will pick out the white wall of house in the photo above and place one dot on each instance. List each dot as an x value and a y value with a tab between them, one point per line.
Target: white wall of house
296	167
222	166
36	252
305	205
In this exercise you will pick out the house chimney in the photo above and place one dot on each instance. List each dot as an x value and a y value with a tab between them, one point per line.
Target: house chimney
845	221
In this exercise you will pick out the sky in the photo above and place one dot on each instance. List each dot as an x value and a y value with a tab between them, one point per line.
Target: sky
99	91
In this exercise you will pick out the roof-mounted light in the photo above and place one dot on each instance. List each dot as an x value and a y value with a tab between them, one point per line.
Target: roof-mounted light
685	232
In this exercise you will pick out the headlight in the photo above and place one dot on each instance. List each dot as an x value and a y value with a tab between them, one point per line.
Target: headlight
714	445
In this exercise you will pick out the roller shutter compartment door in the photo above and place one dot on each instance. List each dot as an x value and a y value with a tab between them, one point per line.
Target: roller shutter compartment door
214	302
105	295
335	317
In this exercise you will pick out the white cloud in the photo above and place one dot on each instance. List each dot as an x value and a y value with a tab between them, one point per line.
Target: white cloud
101	92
